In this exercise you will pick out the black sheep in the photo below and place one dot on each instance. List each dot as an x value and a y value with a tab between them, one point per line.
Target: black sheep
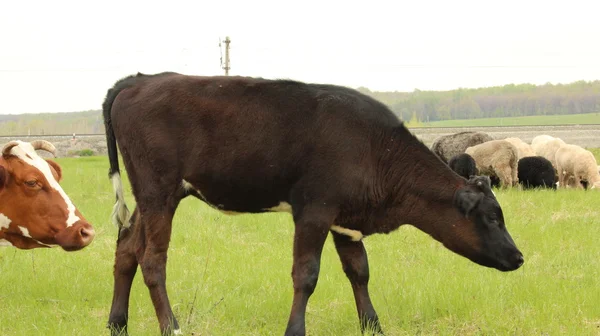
536	172
464	165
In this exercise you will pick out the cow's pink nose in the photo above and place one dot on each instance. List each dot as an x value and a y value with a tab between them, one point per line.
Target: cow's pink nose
87	235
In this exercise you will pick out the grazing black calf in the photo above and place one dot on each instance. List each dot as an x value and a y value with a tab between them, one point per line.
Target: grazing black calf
464	165
339	161
536	172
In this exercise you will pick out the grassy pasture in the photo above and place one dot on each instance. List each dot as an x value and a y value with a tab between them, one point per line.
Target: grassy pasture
230	275
541	120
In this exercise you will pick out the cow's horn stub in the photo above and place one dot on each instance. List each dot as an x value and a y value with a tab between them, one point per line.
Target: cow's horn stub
8	147
44	145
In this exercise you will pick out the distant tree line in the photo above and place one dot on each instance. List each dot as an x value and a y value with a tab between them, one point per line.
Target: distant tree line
422	106
52	123
500	101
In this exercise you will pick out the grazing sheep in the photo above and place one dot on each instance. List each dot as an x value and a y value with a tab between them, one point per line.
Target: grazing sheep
496	158
494	181
541	138
447	146
464	165
536	172
547	148
579	164
523	149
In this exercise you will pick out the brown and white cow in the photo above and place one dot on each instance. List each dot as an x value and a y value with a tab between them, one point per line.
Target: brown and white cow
339	161
34	209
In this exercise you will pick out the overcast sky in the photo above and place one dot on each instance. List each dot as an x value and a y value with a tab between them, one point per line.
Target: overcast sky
62	56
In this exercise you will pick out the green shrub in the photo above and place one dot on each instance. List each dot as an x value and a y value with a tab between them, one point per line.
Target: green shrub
83	152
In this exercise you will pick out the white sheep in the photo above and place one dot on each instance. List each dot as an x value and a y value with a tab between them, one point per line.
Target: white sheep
496	158
577	164
546	146
541	138
523	149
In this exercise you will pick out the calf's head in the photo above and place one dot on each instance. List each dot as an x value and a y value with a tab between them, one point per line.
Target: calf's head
34	209
479	232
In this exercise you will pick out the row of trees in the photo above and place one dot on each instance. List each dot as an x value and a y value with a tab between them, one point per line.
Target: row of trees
52	123
422	106
502	101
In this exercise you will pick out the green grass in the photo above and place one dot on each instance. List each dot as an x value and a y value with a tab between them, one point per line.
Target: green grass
230	275
572	119
596	152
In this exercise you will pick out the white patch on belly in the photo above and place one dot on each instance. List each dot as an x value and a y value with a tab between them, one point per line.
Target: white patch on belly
353	234
187	185
24	231
281	207
4	221
230	213
4	242
22	151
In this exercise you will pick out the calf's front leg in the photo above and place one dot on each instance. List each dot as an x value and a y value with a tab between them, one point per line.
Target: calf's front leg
356	266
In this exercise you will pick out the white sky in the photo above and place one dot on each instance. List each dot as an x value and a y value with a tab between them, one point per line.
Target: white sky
61	56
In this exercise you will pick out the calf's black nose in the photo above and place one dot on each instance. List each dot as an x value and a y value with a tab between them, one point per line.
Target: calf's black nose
519	260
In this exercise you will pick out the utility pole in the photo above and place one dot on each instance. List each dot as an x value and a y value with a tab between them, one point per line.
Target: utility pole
227	62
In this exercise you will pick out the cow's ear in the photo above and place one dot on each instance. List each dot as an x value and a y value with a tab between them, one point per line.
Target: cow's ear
56	170
3	177
466	200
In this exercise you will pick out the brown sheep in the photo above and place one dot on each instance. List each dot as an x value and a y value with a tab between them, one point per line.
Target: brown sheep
496	158
579	164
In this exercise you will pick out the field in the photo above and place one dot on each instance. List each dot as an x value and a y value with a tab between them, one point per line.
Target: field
571	119
230	275
578	129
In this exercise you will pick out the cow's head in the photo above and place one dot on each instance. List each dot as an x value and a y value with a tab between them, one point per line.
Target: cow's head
480	234
34	209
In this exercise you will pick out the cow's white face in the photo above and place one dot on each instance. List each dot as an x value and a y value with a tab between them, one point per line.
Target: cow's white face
27	153
34	209
4	224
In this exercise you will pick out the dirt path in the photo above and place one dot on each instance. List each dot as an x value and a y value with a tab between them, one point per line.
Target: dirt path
587	136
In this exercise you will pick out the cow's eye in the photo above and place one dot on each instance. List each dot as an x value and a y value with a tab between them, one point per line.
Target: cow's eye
493	218
31	183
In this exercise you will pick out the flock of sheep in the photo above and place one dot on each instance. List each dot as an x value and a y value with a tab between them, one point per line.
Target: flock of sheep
547	162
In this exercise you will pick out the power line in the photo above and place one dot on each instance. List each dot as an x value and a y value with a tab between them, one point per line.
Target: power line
227	65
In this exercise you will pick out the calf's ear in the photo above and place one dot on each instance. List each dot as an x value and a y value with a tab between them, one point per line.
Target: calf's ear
466	200
481	181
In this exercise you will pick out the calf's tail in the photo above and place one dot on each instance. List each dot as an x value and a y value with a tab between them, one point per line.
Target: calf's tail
120	214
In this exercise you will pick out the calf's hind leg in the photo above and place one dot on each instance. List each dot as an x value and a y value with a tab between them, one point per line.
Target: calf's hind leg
152	257
146	244
124	271
311	229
